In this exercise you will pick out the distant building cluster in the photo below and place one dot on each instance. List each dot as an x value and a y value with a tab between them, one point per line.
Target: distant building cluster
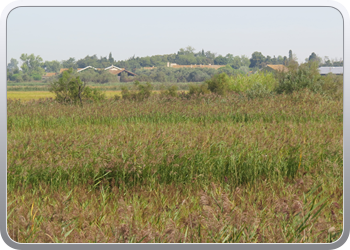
269	68
111	69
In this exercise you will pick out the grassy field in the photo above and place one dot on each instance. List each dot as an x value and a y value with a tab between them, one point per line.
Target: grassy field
36	95
116	86
208	169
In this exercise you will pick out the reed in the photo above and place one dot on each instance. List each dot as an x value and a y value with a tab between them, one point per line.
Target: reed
175	169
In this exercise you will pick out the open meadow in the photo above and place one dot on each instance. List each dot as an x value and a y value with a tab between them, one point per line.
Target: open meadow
197	169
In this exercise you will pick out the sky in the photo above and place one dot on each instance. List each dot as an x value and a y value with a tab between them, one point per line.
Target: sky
58	33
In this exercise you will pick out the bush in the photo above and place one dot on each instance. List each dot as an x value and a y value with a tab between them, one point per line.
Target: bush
116	97
26	77
201	89
15	77
142	91
93	94
36	77
333	86
219	83
70	89
171	91
305	76
243	83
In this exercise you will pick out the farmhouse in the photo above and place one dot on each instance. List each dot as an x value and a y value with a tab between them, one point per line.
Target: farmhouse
334	70
111	69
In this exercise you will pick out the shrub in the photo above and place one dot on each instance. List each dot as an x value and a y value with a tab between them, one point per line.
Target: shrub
26	77
305	76
70	89
36	77
16	77
116	97
219	83
201	89
93	94
142	92
333	86
242	83
171	91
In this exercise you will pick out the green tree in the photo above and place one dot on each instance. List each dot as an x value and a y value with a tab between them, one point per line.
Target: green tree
274	60
312	57
70	63
32	64
70	89
227	69
189	50
290	55
12	65
229	58
52	66
110	58
256	60
210	55
245	61
220	60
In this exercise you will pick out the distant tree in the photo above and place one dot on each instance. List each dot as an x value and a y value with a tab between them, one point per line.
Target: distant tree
189	50
210	55
237	62
160	77
280	60
256	60
312	57
338	63
32	65
51	66
229	58
274	60
220	60
268	60
12	65
290	55
90	61
245	61
70	63
110	58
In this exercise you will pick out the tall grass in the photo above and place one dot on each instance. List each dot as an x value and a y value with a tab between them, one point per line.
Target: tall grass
257	166
201	169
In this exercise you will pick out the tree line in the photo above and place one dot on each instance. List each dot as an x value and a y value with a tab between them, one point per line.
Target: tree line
33	67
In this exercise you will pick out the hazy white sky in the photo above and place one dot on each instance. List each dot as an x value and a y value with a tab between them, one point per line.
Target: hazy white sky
57	33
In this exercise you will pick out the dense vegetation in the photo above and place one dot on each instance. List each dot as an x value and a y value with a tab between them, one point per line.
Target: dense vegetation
236	159
33	67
